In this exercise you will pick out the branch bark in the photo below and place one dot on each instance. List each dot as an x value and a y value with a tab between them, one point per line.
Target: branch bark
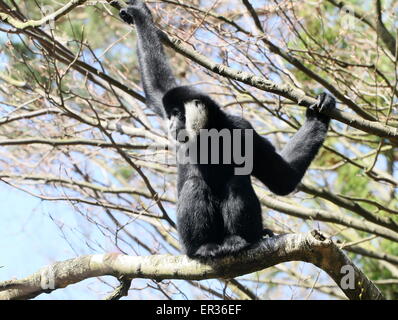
312	247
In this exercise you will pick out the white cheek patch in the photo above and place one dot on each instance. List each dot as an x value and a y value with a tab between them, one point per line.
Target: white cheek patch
195	117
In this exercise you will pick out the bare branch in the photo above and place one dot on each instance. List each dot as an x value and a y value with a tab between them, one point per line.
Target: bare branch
312	247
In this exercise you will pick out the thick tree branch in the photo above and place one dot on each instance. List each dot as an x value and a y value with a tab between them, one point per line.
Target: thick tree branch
312	247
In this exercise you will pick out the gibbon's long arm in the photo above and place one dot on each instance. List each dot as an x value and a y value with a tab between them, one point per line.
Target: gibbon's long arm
156	73
282	172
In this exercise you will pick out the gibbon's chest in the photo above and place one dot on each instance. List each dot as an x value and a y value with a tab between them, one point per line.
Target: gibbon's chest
215	177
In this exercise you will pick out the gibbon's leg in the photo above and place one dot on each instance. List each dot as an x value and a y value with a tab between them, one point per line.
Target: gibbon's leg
198	219
241	212
156	73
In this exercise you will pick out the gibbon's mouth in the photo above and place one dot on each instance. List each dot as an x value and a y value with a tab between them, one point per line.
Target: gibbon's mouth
176	134
195	117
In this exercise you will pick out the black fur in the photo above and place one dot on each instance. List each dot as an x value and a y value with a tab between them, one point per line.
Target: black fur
218	212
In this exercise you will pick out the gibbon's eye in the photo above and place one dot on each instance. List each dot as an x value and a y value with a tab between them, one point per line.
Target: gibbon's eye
174	112
197	103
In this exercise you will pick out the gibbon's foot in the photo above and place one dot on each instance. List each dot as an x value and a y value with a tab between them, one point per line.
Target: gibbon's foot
231	245
208	250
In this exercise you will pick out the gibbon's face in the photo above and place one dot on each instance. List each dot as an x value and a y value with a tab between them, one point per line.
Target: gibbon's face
187	111
190	117
176	118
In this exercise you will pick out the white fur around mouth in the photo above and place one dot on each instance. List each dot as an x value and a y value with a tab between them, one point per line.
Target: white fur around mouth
195	117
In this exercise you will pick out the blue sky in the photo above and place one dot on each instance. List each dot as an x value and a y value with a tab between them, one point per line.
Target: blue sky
30	239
